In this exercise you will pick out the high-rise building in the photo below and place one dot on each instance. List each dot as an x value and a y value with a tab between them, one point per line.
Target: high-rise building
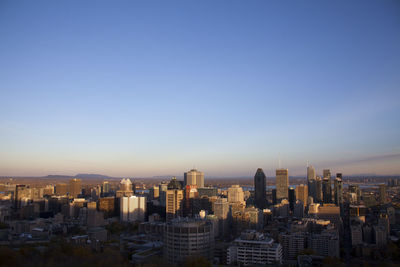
293	244
174	203
326	173
312	189
125	188
298	211
382	193
235	194
282	184
105	188
75	187
107	206
163	187
253	248
292	198
325	244
132	208
318	191
326	190
260	194
192	201
194	177
188	238
302	193
221	210
154	192
338	190
61	189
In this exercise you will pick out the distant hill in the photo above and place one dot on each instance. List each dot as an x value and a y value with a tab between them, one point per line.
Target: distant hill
92	176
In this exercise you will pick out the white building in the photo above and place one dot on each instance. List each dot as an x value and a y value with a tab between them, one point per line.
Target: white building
253	248
235	194
132	208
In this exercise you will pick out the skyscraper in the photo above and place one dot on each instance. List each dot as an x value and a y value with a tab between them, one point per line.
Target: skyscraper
260	189
174	203
302	193
61	189
318	189
132	208
292	198
326	190
222	211
194	177
338	190
282	184
326	186
105	187
125	188
235	194
327	174
312	190
75	187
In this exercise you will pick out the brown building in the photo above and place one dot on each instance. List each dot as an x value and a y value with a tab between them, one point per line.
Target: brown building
75	187
302	193
107	205
61	189
174	199
282	184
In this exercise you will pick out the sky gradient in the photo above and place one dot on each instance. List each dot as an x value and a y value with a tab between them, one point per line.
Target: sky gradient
143	88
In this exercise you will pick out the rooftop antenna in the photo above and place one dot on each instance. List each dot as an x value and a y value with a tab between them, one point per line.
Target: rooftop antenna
307	164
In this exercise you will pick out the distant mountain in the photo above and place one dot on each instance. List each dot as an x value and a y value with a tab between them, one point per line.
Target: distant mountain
54	176
92	176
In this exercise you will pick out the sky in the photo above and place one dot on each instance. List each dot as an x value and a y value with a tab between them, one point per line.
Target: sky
146	88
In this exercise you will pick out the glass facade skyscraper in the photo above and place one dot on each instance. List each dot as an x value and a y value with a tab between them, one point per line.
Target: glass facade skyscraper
260	182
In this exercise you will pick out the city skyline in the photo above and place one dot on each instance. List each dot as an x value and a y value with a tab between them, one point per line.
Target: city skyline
139	90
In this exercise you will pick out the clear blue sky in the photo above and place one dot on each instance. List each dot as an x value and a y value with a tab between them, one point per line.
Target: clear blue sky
143	88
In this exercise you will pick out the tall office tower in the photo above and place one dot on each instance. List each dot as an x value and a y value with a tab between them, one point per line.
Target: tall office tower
192	201
174	203
125	188
154	192
274	200
327	174
260	193
21	191
292	198
107	206
312	190
356	190
382	193
194	177
282	184
75	187
221	210
132	208
105	188
235	194
302	193
318	189
61	189
185	239
326	190
163	186
338	190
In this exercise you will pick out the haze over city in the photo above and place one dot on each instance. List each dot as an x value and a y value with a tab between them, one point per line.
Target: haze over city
143	88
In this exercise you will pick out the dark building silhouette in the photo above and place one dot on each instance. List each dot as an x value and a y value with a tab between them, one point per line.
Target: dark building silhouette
260	199
326	190
292	198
